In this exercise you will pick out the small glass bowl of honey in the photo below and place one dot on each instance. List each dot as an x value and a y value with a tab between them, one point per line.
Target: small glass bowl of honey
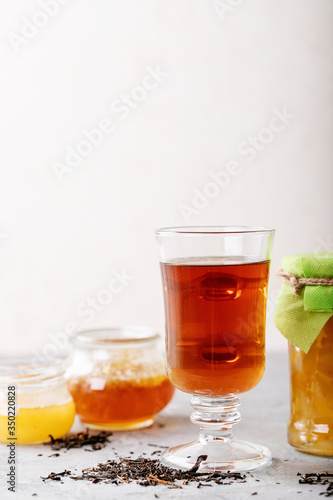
118	378
34	401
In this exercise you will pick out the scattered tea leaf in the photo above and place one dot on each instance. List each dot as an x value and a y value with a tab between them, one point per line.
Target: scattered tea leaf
150	472
323	478
79	440
56	476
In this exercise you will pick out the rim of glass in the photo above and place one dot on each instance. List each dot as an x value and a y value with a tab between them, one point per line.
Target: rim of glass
108	337
25	370
215	230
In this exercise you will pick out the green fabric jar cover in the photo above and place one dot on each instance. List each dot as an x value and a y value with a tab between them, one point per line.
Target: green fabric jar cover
300	318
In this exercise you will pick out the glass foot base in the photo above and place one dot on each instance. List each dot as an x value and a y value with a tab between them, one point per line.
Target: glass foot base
222	455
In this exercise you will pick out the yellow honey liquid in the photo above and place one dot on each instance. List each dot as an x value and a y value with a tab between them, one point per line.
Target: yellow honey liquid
310	426
34	425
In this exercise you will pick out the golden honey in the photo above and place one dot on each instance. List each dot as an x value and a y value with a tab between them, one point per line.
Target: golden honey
310	427
118	378
121	405
34	401
34	425
123	394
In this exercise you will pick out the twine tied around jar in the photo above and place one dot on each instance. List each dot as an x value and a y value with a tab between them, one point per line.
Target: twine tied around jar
299	283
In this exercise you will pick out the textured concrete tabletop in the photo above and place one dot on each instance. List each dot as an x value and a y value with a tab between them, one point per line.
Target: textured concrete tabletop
264	411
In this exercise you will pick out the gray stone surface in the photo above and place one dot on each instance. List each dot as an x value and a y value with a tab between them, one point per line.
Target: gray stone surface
265	412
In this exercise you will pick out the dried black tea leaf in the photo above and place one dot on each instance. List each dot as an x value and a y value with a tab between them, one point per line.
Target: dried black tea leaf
323	478
79	440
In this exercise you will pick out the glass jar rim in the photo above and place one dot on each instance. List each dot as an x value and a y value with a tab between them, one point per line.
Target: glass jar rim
25	370
111	336
214	230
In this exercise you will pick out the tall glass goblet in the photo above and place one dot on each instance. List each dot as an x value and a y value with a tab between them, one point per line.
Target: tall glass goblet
215	289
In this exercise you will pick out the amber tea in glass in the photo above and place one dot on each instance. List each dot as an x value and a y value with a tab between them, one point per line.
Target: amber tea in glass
215	288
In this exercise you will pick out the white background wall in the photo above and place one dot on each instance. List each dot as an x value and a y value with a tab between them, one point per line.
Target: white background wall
228	69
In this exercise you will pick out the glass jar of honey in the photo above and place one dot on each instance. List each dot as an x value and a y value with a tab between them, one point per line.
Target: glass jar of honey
304	315
118	378
34	401
310	425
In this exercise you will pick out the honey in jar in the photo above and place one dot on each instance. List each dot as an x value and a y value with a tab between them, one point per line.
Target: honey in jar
310	426
34	401
118	379
304	315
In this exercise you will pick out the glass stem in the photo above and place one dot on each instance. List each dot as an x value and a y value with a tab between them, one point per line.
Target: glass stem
216	416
